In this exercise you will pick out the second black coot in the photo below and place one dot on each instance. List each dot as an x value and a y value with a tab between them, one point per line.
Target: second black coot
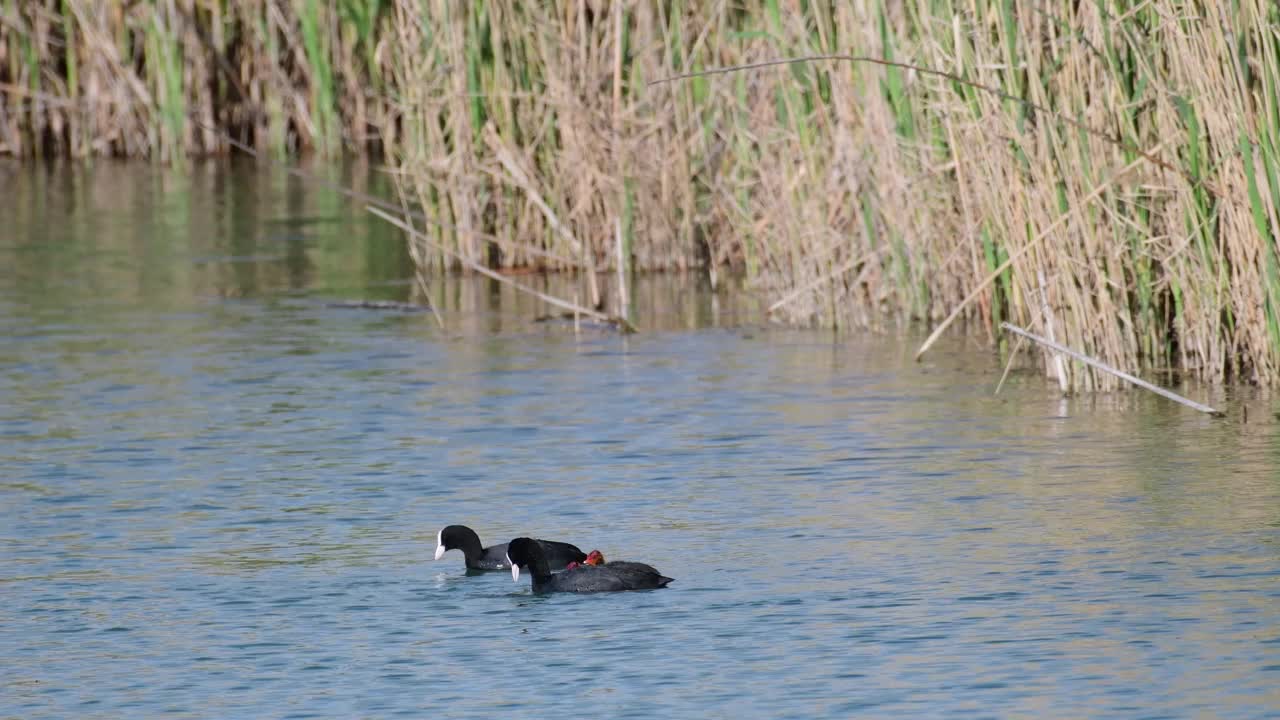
494	557
526	554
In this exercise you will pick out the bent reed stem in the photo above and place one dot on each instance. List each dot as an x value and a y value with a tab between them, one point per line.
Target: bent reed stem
1107	368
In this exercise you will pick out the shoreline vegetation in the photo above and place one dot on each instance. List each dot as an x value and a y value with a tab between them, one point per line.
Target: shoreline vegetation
1103	173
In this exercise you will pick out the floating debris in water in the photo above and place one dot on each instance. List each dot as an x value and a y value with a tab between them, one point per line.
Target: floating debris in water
392	305
584	323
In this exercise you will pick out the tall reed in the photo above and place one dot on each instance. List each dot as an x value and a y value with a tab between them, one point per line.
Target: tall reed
167	78
845	190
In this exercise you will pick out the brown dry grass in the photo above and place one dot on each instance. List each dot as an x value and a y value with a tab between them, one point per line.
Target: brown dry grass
844	192
848	191
168	78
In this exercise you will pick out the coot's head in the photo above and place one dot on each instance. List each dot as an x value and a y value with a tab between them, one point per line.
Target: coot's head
456	537
595	557
526	554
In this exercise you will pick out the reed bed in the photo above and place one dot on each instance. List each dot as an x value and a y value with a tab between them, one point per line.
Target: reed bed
1129	207
168	78
1105	173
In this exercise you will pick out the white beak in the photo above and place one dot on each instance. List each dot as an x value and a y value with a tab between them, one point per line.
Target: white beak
515	571
439	551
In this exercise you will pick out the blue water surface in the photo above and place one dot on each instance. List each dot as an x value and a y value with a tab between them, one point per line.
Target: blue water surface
220	493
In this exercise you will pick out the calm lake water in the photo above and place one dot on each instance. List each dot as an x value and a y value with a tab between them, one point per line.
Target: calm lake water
219	493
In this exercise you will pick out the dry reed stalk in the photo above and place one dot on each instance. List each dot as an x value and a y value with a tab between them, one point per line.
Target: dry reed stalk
573	307
1008	365
1046	316
1113	371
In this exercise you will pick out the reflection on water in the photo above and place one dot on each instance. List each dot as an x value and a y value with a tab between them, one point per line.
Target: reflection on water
219	494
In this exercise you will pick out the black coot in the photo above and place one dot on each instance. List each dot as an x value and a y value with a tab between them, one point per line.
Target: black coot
525	554
461	537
